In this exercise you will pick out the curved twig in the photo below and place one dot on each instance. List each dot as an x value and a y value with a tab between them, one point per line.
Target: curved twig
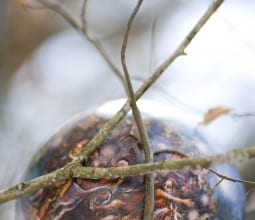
149	179
74	169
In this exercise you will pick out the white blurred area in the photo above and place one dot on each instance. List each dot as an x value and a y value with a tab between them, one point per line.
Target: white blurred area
66	75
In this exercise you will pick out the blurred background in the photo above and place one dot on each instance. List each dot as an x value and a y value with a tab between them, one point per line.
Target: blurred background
49	71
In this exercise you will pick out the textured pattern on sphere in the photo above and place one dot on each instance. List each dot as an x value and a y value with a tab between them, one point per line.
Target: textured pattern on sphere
179	194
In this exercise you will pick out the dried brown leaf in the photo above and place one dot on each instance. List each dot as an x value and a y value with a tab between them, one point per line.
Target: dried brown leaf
213	114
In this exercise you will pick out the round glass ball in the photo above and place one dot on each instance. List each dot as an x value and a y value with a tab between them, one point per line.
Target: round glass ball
179	194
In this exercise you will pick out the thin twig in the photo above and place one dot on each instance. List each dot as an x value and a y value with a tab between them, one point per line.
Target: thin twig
83	15
92	39
170	151
231	179
181	48
149	179
107	128
72	170
222	177
247	193
215	185
83	29
61	11
242	115
11	193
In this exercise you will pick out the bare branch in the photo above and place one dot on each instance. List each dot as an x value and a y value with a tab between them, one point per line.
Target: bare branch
170	151
62	12
26	188
223	177
92	145
92	39
106	129
83	29
248	192
83	15
149	187
75	170
181	48
216	185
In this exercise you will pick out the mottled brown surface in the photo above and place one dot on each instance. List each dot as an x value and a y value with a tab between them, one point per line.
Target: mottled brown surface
181	194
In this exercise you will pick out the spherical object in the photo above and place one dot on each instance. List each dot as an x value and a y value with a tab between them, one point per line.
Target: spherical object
179	194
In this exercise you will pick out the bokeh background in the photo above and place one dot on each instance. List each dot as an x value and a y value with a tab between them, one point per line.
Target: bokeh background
49	72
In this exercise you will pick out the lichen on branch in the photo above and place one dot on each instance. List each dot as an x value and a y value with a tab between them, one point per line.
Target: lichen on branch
76	169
